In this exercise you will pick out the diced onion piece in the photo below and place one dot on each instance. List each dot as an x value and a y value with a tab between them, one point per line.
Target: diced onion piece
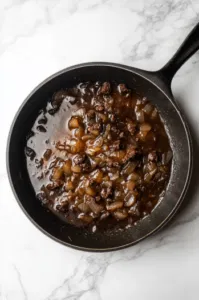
137	106
140	116
104	89
106	178
93	163
163	169
69	186
114	176
134	210
130	199
98	142
76	169
152	172
138	102
108	128
95	207
120	215
129	168
92	151
76	146
151	166
87	137
97	176
67	167
79	132
104	215
142	135
118	155
85	218
103	117
148	109
115	205
148	177
74	123
90	191
131	126
105	147
150	169
145	127
122	88
95	132
57	174
80	191
130	185
83	207
133	176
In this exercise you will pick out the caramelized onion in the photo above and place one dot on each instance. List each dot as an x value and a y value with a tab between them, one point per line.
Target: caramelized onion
130	185
129	168
73	123
97	176
140	116
148	109
145	127
67	167
120	215
90	191
111	162
115	205
85	218
95	207
76	169
69	186
83	207
130	199
57	174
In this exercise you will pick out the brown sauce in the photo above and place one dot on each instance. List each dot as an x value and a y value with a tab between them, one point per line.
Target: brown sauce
99	156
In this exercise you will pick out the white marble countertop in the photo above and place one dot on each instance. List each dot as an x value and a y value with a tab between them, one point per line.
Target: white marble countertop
38	38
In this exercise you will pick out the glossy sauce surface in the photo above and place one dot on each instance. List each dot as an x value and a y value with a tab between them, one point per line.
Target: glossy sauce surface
98	155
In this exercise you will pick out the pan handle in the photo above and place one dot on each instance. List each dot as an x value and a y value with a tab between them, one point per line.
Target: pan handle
186	50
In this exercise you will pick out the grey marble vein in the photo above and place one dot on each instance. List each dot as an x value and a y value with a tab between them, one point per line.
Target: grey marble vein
85	278
21	283
94	267
154	16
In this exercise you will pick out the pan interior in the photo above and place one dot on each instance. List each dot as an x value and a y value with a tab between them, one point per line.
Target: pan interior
50	223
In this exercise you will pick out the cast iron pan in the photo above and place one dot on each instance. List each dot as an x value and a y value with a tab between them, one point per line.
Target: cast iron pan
157	87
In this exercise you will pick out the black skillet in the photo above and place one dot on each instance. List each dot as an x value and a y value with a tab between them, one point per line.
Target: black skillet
157	87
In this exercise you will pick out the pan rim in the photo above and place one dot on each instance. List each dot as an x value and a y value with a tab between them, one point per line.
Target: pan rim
183	121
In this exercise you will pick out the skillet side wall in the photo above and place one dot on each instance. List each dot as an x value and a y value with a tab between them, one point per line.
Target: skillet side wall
47	221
